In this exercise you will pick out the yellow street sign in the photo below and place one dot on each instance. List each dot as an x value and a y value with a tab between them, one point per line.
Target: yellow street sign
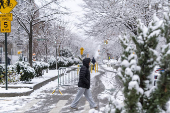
19	52
5	26
81	50
6	6
5	17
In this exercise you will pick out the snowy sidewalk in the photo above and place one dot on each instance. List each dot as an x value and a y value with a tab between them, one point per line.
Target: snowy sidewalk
43	100
24	89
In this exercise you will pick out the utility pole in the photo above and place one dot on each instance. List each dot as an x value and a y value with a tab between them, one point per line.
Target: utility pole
56	55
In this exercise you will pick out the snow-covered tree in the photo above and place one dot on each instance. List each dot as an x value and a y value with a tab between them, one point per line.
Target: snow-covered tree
136	69
106	19
146	42
131	82
161	96
29	15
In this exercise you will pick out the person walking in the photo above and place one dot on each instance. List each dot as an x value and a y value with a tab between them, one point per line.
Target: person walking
93	61
83	86
9	60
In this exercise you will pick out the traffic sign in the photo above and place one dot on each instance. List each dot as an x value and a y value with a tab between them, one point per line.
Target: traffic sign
81	50
4	17
5	26
19	52
6	6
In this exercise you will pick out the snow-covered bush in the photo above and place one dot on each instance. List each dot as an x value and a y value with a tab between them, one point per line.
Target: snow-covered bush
77	61
66	62
65	59
136	69
113	61
25	70
39	67
161	93
52	62
2	74
62	62
105	61
12	74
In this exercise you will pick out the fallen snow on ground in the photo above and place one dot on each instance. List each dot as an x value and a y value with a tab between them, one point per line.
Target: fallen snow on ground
14	103
107	68
112	89
18	90
94	111
31	84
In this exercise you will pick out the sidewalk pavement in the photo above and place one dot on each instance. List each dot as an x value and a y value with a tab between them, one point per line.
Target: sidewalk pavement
31	88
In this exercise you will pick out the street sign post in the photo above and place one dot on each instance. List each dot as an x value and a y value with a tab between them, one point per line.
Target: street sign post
6	7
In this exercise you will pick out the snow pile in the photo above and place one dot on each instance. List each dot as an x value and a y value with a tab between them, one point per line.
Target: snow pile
105	61
94	111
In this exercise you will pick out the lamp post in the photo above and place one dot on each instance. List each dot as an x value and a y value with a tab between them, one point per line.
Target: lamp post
56	54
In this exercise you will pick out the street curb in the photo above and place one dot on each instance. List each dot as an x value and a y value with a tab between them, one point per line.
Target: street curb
35	87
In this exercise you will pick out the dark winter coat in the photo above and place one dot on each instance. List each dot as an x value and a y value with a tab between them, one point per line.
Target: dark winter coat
84	75
93	61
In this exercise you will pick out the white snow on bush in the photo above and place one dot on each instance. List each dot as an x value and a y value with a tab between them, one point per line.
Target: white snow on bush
105	61
133	62
125	63
135	85
128	71
136	78
113	61
134	56
157	24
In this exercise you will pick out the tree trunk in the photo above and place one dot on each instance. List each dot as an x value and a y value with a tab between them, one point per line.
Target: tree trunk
30	45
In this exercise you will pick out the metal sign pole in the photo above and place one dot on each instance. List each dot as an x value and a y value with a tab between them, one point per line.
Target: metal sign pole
6	61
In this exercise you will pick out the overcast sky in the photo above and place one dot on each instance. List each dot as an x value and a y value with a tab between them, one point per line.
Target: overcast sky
76	13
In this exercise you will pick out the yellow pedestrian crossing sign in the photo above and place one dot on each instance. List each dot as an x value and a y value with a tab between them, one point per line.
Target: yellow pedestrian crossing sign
6	6
5	26
81	50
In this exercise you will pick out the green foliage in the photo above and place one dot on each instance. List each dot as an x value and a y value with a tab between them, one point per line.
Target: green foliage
65	60
66	53
39	67
162	92
126	73
146	42
27	73
2	75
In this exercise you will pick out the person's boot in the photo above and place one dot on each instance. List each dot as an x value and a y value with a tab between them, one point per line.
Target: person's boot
74	108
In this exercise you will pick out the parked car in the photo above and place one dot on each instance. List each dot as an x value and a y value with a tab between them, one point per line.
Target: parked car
156	74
